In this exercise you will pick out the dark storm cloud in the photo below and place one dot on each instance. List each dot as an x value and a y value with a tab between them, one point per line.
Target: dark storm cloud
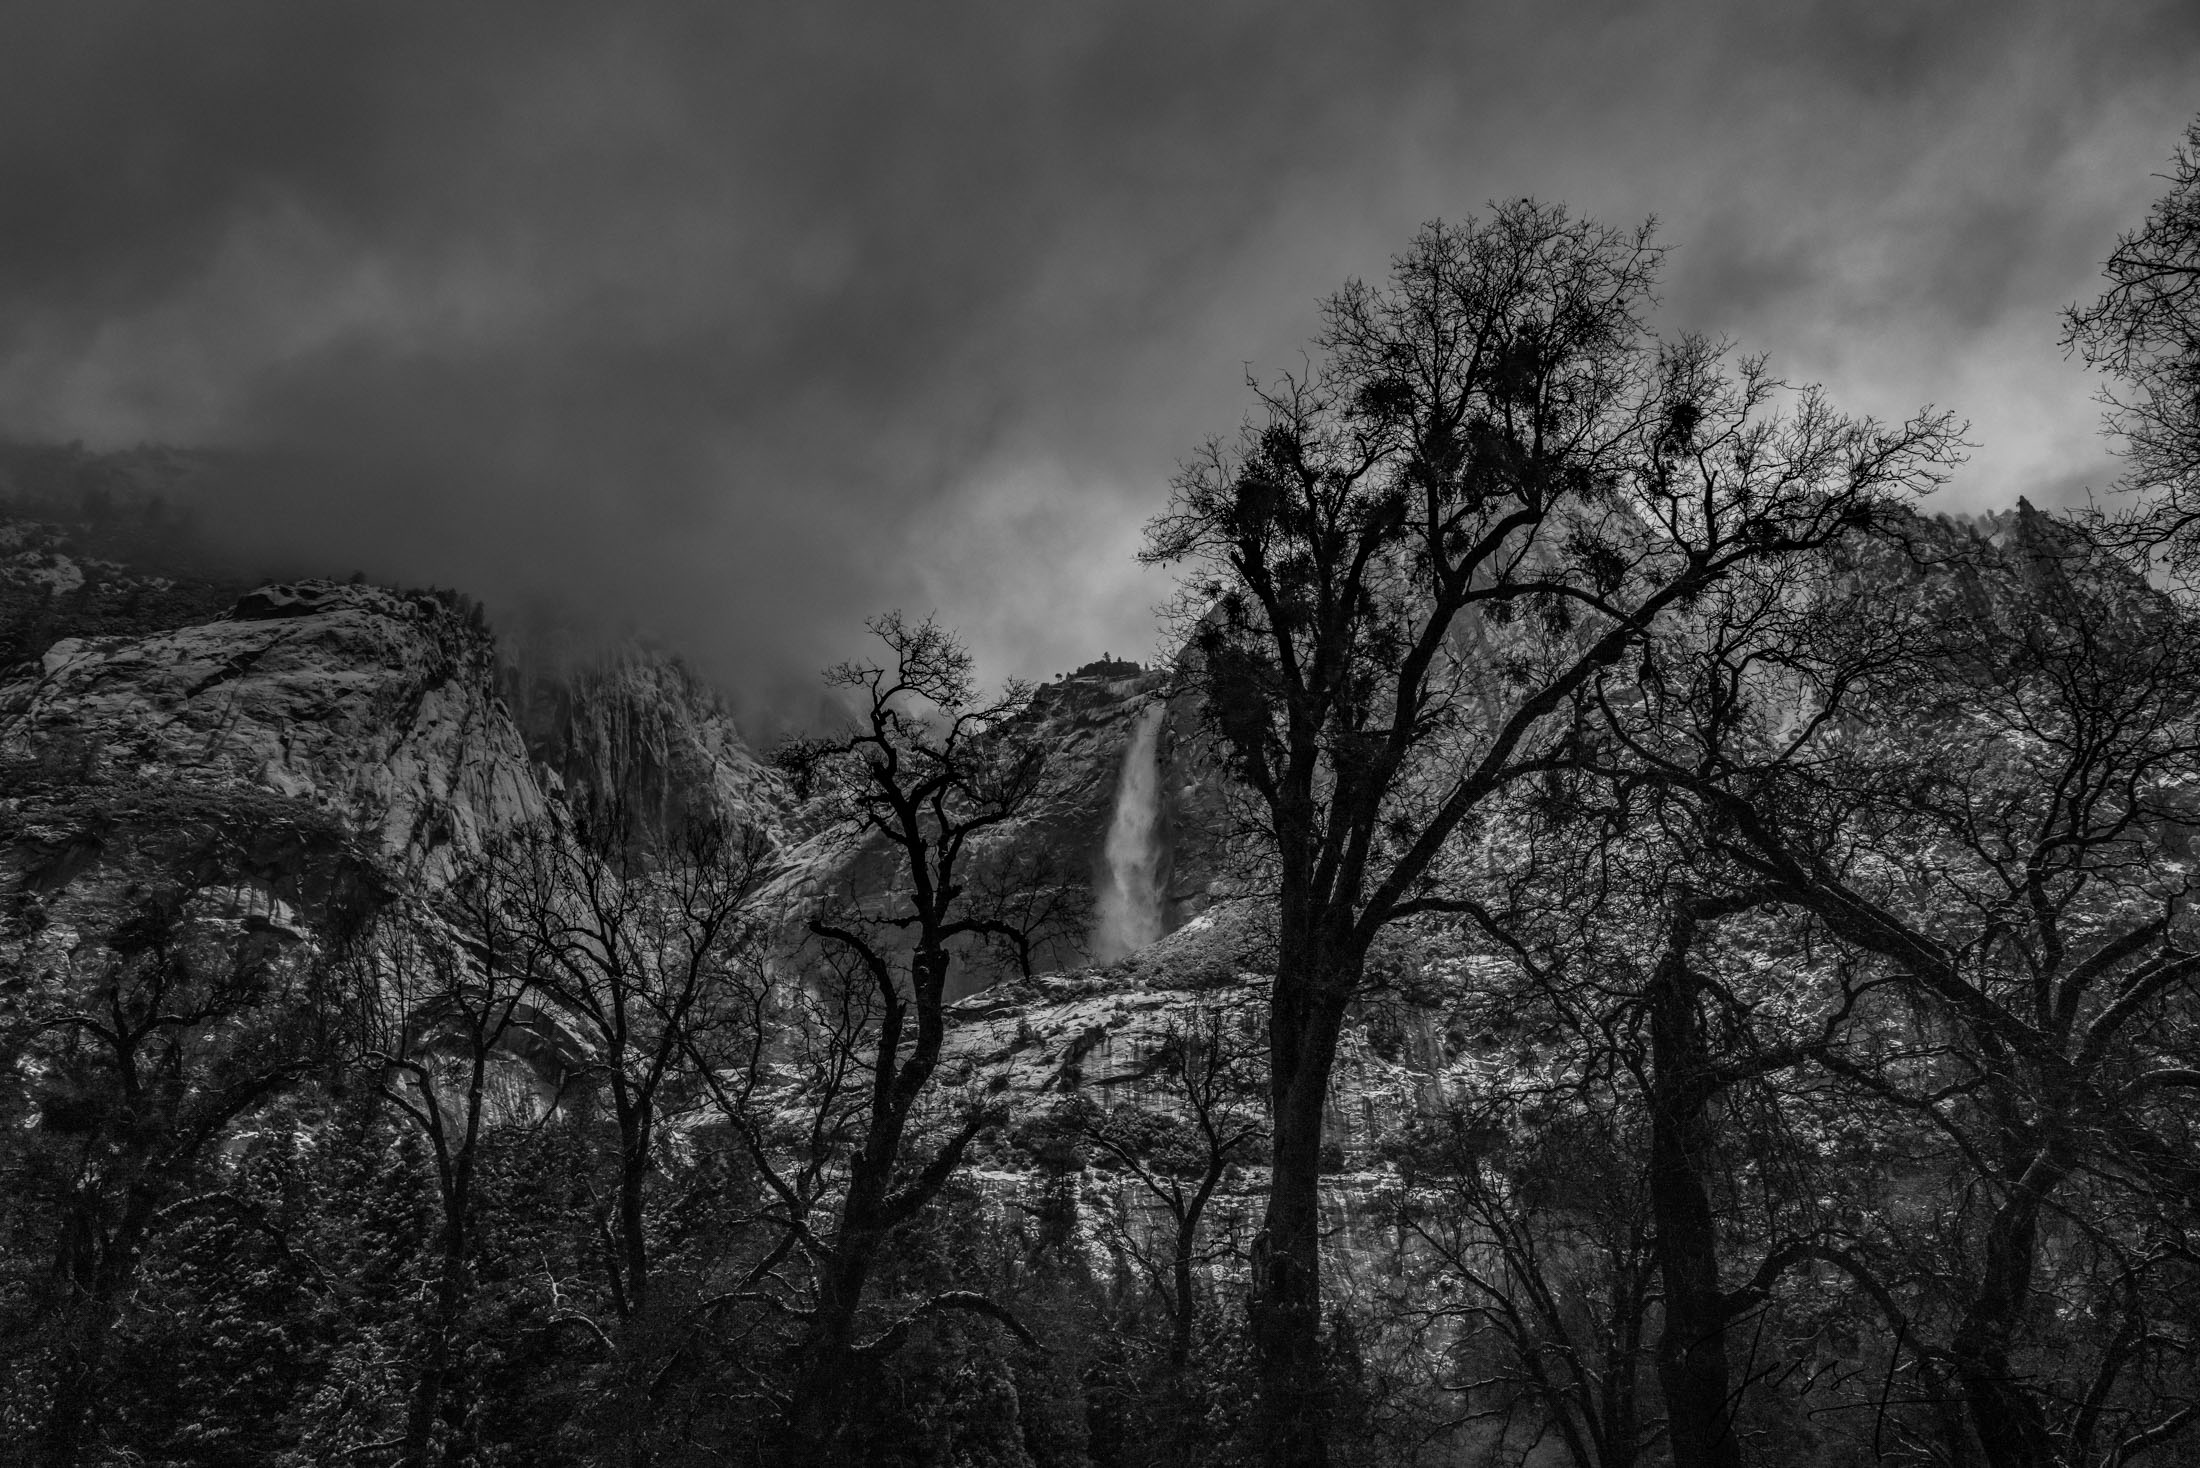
741	326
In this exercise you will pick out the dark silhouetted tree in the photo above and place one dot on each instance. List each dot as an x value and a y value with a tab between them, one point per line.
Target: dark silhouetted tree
2143	333
1206	1119
926	774
440	1005
1405	574
1983	793
137	1069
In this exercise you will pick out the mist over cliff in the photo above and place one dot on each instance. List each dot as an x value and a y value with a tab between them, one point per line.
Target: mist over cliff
738	326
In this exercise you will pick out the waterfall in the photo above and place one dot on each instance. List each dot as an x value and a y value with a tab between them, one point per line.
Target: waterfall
1129	912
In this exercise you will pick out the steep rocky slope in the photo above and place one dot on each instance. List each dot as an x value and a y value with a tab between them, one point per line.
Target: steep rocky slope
1089	720
1091	1035
347	742
1086	723
298	755
372	707
633	732
291	767
1095	1033
317	749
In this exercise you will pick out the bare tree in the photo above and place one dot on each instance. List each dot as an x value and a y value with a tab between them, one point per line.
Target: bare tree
925	774
2143	333
181	1024
637	948
1684	993
440	1006
1987	801
1407	572
1527	1203
1208	1121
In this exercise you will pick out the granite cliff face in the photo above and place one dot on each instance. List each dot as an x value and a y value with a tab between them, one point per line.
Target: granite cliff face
292	767
314	754
347	746
1093	1031
357	742
299	756
1090	724
366	705
388	723
634	734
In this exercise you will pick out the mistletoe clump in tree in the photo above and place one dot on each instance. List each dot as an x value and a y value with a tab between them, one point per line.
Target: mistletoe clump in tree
1404	574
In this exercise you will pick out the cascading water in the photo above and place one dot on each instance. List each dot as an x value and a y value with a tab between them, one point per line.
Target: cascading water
1129	913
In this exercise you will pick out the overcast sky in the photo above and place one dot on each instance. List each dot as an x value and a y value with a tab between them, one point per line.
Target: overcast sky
737	323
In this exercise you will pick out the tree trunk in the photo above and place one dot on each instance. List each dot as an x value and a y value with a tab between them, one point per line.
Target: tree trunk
1285	1304
824	1426
100	1272
1180	1323
69	1413
452	1287
1693	1372
633	1220
821	1420
1692	1364
631	1294
76	1373
2011	1431
435	1365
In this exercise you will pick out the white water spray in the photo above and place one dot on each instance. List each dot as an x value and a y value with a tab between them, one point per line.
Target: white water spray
1129	915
